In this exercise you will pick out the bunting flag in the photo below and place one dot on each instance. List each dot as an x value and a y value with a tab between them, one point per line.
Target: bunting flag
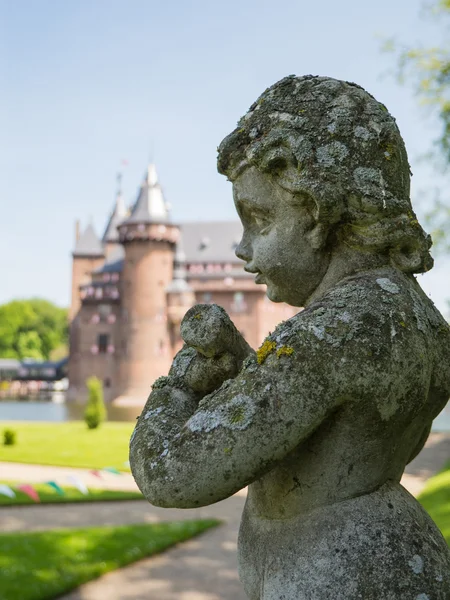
81	487
96	473
29	491
112	470
5	490
58	489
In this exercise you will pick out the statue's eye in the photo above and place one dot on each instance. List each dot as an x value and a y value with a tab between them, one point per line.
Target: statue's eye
261	221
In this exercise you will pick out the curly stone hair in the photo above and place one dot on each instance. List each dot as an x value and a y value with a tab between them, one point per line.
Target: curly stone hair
339	151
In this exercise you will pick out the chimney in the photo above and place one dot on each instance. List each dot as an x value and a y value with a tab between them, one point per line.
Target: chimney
77	230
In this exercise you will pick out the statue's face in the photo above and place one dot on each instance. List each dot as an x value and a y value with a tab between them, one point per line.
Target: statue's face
278	239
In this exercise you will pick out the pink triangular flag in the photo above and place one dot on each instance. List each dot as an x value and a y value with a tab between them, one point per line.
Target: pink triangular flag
29	491
96	473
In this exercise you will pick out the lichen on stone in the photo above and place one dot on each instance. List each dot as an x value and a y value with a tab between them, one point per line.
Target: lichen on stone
285	351
416	564
235	414
266	348
388	285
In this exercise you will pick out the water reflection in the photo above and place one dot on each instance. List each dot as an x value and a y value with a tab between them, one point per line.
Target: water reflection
58	413
29	410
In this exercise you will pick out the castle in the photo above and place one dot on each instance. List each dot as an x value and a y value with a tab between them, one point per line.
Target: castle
131	288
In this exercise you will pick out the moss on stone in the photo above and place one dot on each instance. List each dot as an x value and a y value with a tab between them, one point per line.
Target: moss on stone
160	382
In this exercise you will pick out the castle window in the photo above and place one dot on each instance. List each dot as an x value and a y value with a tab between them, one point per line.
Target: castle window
104	310
103	342
239	304
107	382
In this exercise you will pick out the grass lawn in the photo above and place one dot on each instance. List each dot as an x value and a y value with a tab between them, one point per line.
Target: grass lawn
43	565
48	495
435	498
69	444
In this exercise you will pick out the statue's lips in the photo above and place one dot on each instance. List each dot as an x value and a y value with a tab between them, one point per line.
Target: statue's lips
259	276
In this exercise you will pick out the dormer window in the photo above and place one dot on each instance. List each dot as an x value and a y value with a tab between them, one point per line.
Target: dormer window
204	243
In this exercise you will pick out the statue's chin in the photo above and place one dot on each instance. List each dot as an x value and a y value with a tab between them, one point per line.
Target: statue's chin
276	295
273	294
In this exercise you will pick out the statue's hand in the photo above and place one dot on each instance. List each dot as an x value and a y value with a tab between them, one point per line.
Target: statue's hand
220	347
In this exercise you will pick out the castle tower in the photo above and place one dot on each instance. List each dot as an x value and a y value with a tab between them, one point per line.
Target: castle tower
180	298
87	256
149	240
110	239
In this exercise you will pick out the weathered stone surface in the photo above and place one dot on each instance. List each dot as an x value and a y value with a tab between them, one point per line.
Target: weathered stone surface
321	420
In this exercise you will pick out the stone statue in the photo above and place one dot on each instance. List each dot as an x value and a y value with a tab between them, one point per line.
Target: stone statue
321	420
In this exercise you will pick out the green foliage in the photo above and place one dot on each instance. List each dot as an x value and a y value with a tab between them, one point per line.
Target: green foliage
46	564
435	498
9	437
428	70
70	444
32	329
48	495
95	412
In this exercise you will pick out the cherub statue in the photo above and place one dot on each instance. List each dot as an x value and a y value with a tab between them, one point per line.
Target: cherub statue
321	420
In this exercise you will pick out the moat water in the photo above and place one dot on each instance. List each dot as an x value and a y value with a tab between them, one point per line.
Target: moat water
29	410
32	410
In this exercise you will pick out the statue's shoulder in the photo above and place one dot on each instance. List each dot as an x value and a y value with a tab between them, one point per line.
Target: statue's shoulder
373	309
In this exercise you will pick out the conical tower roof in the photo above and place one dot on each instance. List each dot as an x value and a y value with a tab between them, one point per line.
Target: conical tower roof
150	206
88	244
118	215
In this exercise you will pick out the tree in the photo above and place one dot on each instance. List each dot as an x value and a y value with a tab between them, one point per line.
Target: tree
32	329
95	412
428	70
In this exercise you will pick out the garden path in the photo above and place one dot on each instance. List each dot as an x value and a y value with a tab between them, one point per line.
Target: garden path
200	569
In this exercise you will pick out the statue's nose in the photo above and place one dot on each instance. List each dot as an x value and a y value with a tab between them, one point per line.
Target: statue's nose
242	251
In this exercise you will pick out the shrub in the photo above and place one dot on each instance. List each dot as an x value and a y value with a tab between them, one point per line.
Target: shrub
95	411
9	437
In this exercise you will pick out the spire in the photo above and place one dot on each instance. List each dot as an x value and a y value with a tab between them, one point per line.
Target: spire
118	214
88	243
150	206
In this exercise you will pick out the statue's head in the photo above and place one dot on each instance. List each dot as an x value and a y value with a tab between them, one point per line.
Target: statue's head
340	158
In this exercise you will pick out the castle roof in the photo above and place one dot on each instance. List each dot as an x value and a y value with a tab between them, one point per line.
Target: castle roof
211	241
150	206
88	244
117	216
114	262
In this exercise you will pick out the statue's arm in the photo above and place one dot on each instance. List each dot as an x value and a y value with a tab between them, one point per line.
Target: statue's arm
187	454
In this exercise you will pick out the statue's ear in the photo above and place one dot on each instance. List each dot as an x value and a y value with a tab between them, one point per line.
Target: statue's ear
318	235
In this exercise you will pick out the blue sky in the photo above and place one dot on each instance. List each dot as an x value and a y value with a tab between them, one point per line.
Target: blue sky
87	83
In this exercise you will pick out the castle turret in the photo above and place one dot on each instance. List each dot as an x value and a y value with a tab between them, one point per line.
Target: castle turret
87	256
149	240
180	297
110	239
